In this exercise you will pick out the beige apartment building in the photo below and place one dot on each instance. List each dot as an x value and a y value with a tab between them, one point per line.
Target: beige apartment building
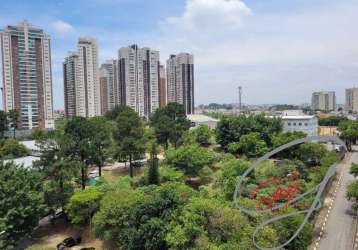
352	100
27	74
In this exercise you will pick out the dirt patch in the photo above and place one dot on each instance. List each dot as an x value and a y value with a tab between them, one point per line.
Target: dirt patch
49	236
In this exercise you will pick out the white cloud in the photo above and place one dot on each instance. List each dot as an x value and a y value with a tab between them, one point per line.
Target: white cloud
62	27
210	15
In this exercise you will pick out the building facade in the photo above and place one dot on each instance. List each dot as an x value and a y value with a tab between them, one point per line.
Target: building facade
81	80
27	75
324	100
138	75
162	87
109	77
352	100
307	124
180	80
88	99
70	78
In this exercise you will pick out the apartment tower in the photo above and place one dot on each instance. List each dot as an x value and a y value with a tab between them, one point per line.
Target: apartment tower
81	80
162	87
109	83
27	74
180	80
324	100
138	74
352	100
70	78
89	102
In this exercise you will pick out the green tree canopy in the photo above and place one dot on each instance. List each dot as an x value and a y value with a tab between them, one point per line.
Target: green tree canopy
83	204
251	145
231	128
189	158
21	202
10	148
3	123
100	141
128	134
169	123
138	219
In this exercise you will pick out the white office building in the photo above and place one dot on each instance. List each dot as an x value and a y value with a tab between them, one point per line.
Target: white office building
307	124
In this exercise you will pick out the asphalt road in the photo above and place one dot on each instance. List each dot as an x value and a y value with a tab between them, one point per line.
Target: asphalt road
340	230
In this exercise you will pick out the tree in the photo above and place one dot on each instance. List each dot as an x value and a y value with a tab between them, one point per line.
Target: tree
352	194
280	139
153	172
231	128
311	153
21	202
100	141
331	121
83	204
59	183
3	123
252	145
230	169
11	148
354	169
13	116
78	136
189	158
170	123
349	132
213	224
141	215
128	134
58	169
202	134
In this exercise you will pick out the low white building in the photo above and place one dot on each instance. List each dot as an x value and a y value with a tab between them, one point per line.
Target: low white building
307	124
26	161
197	120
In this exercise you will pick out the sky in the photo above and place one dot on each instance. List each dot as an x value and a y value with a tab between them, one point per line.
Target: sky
279	51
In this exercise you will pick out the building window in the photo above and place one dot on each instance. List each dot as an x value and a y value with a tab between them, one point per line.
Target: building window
289	124
306	124
300	124
294	124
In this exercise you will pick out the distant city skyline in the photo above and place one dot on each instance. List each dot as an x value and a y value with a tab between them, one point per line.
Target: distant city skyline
270	48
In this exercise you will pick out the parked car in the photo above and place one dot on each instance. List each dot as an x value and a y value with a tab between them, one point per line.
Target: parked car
58	215
69	242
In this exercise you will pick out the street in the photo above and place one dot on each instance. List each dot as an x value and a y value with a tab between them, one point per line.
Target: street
340	228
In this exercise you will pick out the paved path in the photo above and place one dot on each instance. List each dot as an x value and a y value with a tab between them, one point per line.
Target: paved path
340	228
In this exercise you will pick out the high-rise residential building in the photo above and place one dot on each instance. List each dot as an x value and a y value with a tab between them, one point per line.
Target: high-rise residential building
180	80
109	77
324	100
70	78
138	74
352	100
104	81
162	87
81	80
88	78
27	74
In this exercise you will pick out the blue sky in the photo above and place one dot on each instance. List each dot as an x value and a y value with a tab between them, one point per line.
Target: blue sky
280	51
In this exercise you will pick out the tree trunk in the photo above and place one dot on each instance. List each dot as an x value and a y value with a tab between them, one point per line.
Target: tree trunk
14	135
83	177
130	166
99	169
